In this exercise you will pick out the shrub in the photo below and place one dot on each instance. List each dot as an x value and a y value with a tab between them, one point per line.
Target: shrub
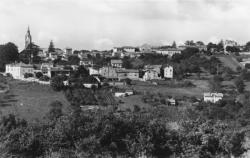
44	78
57	83
28	75
39	75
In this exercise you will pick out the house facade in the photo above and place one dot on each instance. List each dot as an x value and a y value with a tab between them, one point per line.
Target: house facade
68	51
151	75
93	71
18	70
127	73
212	97
108	72
168	72
116	63
54	71
169	51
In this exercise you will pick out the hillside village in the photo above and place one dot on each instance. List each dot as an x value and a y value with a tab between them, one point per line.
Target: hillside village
182	90
119	64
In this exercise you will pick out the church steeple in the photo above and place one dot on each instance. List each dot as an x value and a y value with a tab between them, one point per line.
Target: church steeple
28	38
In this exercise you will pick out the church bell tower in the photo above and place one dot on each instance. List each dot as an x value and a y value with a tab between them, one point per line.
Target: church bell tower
28	38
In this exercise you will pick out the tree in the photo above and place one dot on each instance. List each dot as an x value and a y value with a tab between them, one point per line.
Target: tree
126	63
189	43
55	110
220	46
200	43
247	46
8	54
28	75
188	52
51	47
215	83
44	78
39	75
232	49
57	83
128	81
239	83
174	45
80	72
211	46
30	54
73	60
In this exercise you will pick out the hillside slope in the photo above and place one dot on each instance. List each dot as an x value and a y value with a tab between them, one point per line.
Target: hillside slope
229	61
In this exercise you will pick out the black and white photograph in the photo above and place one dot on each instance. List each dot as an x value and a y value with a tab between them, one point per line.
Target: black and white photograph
125	79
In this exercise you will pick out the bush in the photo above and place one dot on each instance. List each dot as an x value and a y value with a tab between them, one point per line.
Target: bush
9	75
57	83
247	66
28	75
239	83
39	75
44	78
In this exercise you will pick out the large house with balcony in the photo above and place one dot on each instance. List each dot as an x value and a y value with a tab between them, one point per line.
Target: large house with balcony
168	51
17	70
116	63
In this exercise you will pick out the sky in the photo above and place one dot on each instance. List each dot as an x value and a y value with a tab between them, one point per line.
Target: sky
103	24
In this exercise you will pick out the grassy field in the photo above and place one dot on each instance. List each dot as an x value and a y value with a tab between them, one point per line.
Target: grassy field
230	61
201	86
129	102
29	100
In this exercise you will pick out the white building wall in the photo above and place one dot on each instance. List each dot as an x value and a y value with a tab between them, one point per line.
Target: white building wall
168	72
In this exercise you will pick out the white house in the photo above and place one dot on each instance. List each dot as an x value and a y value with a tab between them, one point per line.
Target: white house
168	72
169	51
124	49
18	70
116	63
124	94
151	75
172	101
68	51
212	97
108	72
93	71
127	73
129	49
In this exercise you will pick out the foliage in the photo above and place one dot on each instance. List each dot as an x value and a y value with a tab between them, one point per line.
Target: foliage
73	60
57	83
30	54
131	134
126	63
51	47
44	78
239	83
39	75
80	72
128	81
174	45
232	49
28	75
8	54
55	111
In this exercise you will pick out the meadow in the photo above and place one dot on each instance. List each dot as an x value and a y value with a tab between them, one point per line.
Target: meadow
29	100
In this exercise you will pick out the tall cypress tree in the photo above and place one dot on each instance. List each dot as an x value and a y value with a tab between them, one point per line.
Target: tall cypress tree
51	47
